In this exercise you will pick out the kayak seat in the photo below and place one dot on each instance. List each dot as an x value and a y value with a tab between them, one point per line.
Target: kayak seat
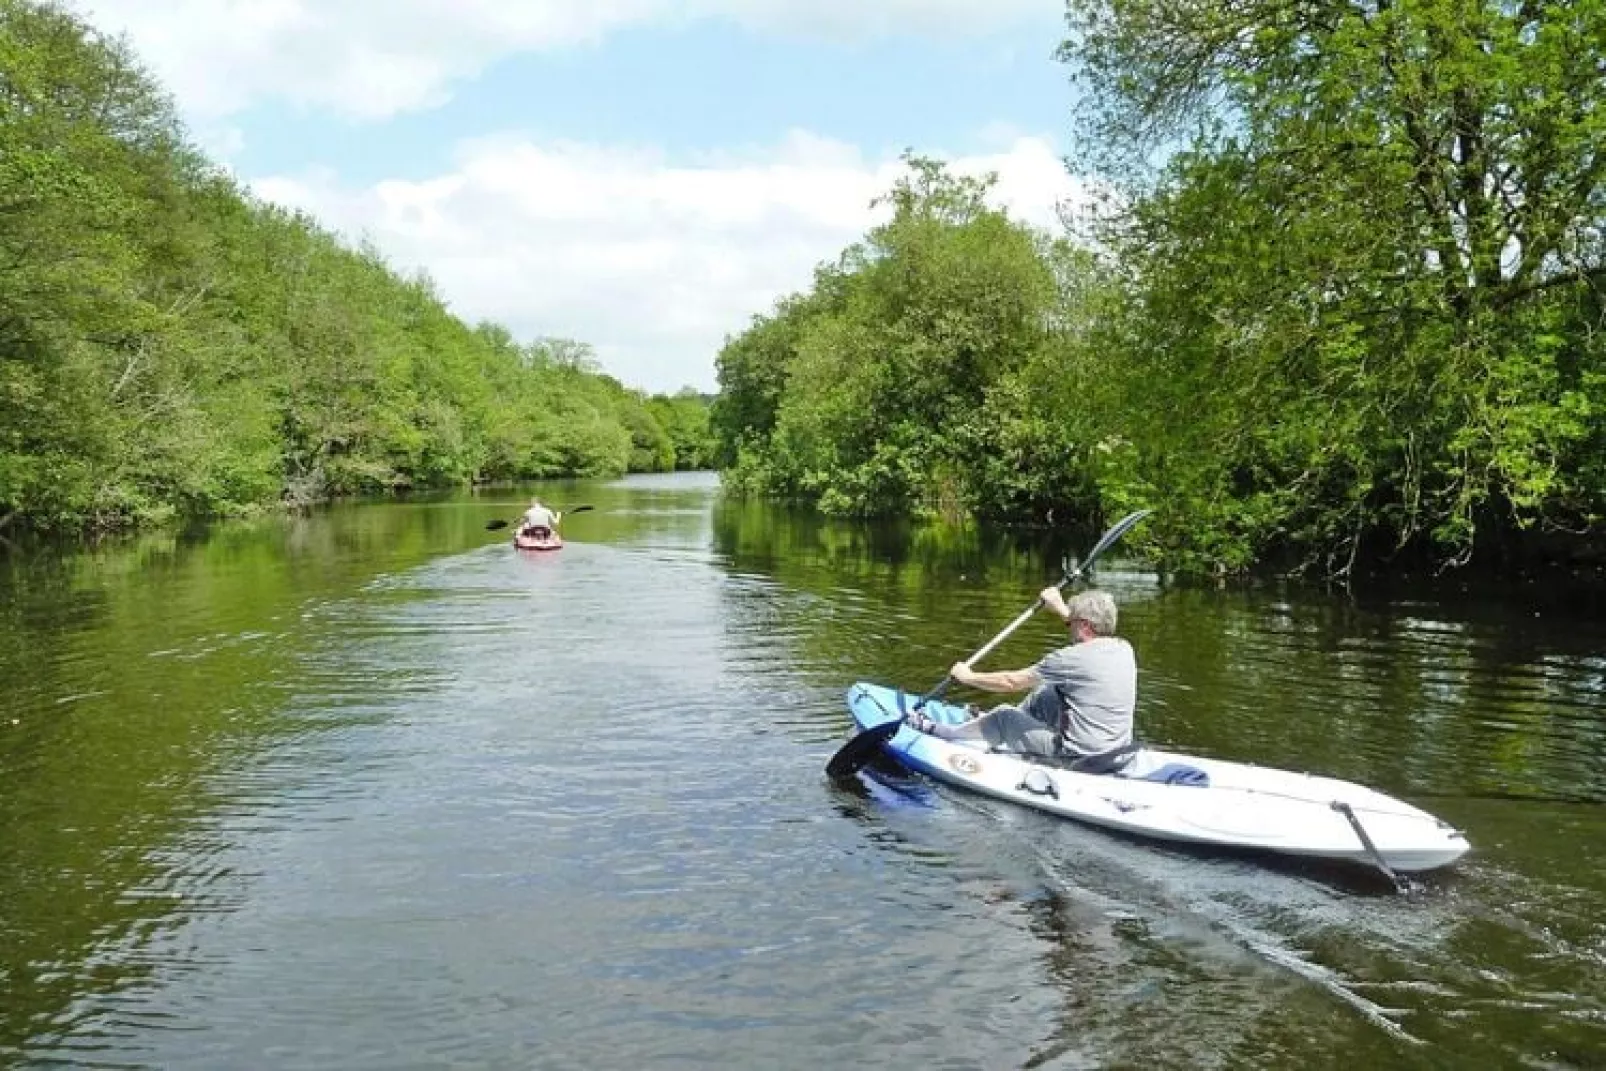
1105	762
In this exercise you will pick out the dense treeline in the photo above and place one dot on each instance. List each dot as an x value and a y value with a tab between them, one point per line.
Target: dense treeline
170	345
915	376
1342	300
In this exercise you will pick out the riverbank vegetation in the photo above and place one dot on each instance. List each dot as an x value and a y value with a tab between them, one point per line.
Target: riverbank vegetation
172	346
1337	299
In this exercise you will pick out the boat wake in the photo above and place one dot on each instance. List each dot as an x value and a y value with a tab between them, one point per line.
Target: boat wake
1206	907
1332	982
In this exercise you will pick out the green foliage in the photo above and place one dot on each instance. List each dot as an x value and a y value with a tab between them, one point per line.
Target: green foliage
684	417
1341	300
871	394
171	346
1364	285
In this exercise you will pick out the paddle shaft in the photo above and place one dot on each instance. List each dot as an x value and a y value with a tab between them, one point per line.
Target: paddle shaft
494	525
1026	615
1109	538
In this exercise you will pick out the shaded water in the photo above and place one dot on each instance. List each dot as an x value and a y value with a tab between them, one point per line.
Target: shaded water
372	790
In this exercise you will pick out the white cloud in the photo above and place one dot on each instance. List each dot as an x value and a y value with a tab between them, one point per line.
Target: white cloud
650	260
860	19
374	58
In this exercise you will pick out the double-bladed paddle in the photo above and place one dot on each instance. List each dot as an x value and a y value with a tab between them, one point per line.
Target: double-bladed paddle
853	755
492	526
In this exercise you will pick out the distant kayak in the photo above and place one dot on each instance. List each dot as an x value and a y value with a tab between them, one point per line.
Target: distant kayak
1177	797
537	539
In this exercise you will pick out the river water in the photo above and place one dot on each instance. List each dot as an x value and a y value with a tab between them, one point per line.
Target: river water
370	789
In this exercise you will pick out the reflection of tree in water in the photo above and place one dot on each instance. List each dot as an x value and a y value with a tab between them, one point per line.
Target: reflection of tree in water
136	674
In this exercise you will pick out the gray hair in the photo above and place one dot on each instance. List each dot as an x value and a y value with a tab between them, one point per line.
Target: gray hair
1097	608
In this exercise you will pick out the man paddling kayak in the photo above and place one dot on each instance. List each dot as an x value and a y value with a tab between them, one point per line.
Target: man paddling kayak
538	520
1082	695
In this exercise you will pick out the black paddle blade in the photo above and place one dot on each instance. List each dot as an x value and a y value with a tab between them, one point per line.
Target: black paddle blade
494	525
1117	530
854	754
578	509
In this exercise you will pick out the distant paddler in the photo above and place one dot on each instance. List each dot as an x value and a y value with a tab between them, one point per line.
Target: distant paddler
539	521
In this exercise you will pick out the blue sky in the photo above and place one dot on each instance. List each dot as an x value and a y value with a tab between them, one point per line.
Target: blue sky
642	175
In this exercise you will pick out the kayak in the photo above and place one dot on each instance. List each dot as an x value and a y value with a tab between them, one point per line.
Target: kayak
537	539
1181	798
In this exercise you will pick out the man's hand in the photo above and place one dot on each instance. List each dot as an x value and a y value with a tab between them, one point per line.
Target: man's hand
961	672
1055	601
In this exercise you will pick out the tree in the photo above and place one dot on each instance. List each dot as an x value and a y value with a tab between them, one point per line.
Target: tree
169	345
96	394
1365	275
685	419
868	394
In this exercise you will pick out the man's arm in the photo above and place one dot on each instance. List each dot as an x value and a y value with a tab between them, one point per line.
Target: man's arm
999	680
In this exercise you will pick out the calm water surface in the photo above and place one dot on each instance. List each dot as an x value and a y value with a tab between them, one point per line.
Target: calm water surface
372	790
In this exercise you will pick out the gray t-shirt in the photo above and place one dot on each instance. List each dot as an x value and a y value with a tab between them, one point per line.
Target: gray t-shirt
1095	686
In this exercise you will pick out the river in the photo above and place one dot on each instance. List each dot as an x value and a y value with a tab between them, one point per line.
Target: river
370	789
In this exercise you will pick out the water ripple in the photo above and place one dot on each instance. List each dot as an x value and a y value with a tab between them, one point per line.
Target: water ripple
475	809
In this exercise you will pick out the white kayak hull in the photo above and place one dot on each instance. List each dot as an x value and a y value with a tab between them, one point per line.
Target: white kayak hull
1243	806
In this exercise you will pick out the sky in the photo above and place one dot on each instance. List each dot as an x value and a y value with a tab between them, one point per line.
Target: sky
645	176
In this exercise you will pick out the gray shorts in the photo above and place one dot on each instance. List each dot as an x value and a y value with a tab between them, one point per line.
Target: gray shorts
1009	728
